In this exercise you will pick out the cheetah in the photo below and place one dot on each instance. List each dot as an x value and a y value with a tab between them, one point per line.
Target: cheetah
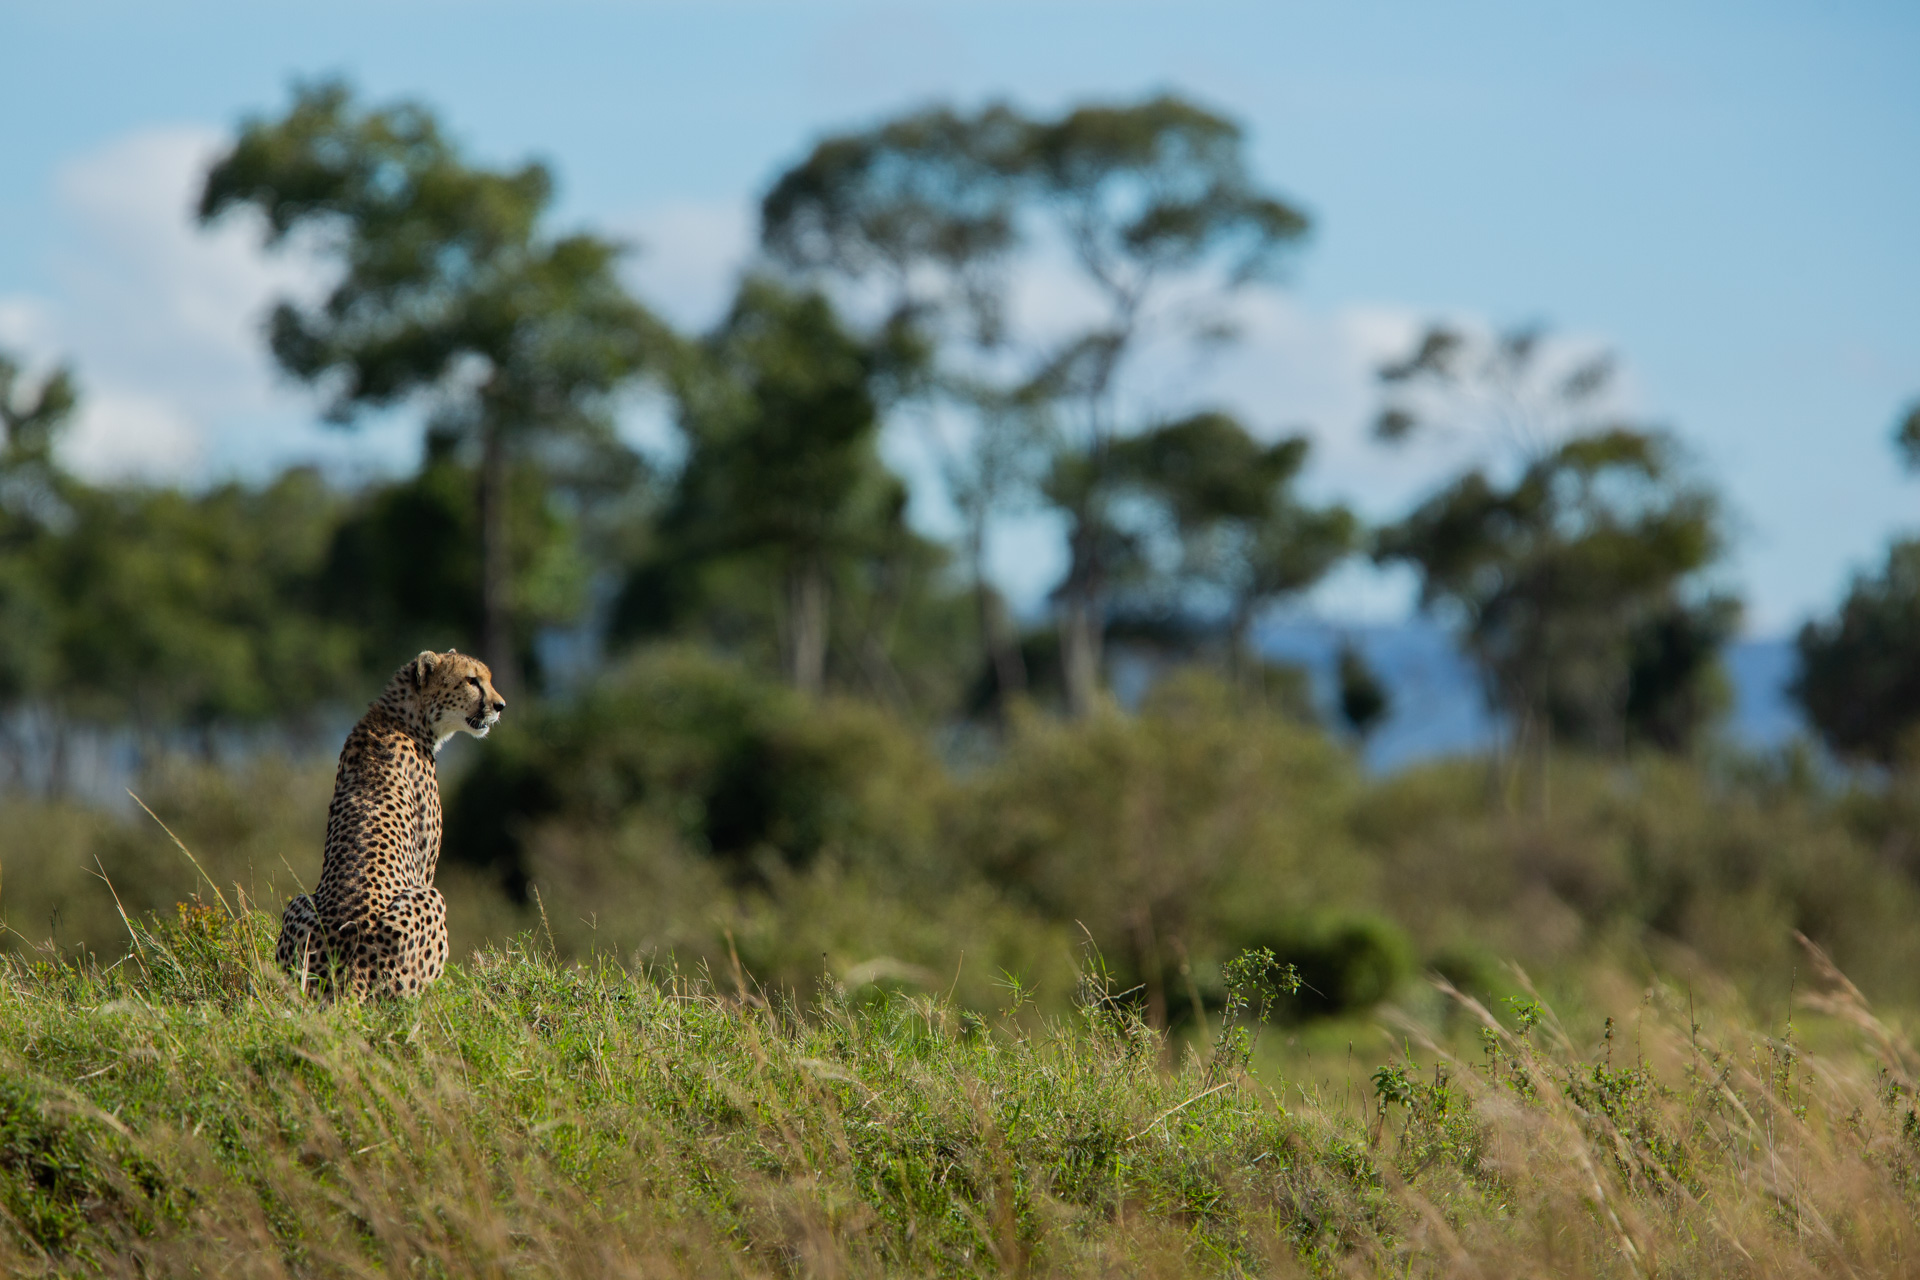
376	925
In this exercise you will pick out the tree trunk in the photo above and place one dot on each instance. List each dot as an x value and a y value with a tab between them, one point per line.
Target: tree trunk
998	639
1240	667
807	628
1003	650
1080	653
496	568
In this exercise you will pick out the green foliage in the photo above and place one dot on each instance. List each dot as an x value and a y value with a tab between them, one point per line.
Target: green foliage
1343	964
938	206
1859	677
1906	437
1676	685
1157	187
1173	836
448	290
1645	856
164	610
1142	195
403	566
1364	701
1226	502
1859	681
736	769
30	425
925	201
1577	585
443	263
1576	579
783	486
175	609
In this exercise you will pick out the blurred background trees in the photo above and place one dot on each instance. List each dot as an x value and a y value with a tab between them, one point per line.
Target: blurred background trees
448	291
781	410
757	688
1575	563
1147	203
1859	678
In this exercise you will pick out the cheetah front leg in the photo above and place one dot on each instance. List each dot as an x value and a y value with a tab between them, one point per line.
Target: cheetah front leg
300	951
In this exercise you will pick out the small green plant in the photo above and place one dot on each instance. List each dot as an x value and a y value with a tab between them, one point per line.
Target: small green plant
1440	1125
1255	981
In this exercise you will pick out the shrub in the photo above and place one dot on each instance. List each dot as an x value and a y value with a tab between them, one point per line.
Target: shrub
1167	835
1347	963
732	766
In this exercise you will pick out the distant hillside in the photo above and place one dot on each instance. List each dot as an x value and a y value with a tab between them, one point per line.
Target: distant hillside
1437	706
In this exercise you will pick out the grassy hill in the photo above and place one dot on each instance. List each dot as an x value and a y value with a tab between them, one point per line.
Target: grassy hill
180	1111
791	992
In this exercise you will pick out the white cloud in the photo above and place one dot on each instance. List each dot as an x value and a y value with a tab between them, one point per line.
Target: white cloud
25	326
121	436
161	321
688	256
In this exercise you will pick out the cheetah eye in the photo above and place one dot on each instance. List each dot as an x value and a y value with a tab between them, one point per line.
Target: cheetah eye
474	681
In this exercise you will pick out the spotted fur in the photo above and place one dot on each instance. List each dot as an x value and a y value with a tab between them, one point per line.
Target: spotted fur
376	925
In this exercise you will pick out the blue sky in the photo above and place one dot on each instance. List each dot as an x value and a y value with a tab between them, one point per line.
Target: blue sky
1726	194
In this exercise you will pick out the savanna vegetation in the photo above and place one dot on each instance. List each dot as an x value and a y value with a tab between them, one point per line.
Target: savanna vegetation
815	913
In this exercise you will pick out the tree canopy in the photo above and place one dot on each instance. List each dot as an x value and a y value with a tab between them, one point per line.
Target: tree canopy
780	407
1143	199
1226	502
1579	585
448	289
1859	672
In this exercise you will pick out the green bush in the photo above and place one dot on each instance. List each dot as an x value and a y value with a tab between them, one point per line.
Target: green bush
732	766
1168	836
1347	963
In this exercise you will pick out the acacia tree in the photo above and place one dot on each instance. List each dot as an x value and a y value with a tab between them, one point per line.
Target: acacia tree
32	506
449	291
919	212
780	406
1576	584
1227	502
1147	202
1859	676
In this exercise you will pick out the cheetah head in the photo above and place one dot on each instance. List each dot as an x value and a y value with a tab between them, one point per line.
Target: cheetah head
451	693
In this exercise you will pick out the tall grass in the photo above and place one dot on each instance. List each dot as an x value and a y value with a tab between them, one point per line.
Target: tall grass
182	1111
874	1029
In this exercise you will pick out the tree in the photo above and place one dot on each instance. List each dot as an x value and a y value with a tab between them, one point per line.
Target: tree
1859	681
1364	700
1576	585
1241	533
32	420
1859	676
1147	201
194	611
449	291
780	406
923	205
1555	580
1906	437
33	507
923	208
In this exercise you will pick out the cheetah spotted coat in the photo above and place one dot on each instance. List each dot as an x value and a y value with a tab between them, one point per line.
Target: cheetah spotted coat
376	925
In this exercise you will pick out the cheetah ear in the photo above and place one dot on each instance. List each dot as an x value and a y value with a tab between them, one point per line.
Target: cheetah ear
421	666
